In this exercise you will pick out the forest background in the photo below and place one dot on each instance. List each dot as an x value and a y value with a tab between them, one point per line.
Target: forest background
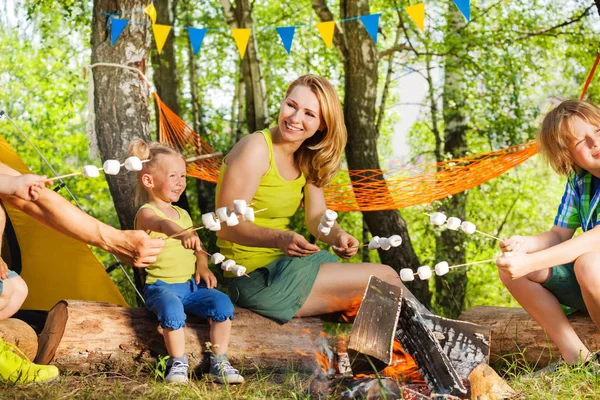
488	82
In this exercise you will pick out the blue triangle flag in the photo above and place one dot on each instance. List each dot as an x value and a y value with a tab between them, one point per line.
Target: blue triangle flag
371	23
465	8
116	28
286	33
196	38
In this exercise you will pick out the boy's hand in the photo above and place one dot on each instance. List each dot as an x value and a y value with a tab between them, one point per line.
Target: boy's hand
345	245
29	186
191	241
3	269
515	265
515	244
202	272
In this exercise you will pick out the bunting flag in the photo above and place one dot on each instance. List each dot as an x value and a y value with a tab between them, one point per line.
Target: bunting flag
371	23
286	34
326	30
160	35
117	26
241	37
151	11
196	38
417	14
465	8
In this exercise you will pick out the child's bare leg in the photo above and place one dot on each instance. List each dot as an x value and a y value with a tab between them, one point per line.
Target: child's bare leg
587	271
545	309
174	341
219	336
14	293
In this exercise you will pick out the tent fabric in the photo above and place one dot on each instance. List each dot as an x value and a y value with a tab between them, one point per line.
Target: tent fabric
55	266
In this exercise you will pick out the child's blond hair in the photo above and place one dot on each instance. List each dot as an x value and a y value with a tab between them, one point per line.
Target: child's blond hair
556	135
150	152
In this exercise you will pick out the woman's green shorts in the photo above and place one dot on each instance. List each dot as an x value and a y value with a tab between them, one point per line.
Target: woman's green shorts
563	284
279	289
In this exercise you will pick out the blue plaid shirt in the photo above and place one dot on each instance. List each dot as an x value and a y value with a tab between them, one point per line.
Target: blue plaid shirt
579	204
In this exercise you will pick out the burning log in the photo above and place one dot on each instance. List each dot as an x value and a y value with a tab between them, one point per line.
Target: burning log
19	333
372	336
487	384
515	332
81	336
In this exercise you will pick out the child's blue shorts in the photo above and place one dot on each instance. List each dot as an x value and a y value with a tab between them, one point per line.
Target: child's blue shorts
11	274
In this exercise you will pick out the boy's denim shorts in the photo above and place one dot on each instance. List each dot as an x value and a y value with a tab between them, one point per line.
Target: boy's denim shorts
563	284
171	301
11	274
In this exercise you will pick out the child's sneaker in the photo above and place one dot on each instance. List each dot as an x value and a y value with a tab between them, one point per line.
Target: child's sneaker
16	369
177	370
221	370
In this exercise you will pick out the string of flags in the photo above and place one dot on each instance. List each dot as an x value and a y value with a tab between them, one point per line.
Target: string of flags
241	36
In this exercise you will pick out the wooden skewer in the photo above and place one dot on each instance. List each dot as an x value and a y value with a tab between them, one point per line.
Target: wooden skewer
66	175
472	263
488	235
203	157
186	230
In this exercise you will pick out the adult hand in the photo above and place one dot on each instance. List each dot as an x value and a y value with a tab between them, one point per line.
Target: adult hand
345	245
137	249
296	245
3	269
202	272
515	244
515	265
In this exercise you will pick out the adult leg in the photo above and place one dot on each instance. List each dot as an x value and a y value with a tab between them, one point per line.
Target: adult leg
340	287
545	309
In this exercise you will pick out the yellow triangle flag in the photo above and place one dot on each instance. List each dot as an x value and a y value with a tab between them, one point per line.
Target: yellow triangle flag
151	11
417	14
326	30
241	37
160	35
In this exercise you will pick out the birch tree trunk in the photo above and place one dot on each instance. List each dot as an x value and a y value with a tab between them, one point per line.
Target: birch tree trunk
120	98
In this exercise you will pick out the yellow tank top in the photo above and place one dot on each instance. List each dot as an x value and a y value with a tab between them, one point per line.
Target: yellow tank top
281	198
175	263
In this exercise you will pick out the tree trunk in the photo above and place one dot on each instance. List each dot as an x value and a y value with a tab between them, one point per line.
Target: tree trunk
360	76
515	333
451	288
238	17
120	99
83	336
20	334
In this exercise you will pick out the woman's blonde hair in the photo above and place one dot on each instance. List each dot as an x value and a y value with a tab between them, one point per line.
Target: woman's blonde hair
319	157
556	135
150	152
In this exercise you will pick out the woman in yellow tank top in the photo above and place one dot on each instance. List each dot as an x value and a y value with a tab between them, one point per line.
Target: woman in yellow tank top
278	169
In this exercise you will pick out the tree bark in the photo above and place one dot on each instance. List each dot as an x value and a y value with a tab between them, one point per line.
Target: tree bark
238	17
20	334
360	77
83	336
120	99
515	333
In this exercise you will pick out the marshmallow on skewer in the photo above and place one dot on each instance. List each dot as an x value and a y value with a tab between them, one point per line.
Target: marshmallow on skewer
437	218
374	243
239	206
215	227
239	270
327	223
227	265
330	215
249	214
453	223
468	227
233	220
90	171
133	164
384	243
395	240
217	258
111	167
324	230
209	219
424	272
222	213
407	275
442	268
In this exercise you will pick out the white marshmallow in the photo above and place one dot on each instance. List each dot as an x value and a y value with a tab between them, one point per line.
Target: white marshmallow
324	230
424	272
384	243
374	243
233	220
215	227
442	268
330	215
111	167
133	164
90	171
239	206
437	218
395	240
453	223
468	227
227	265
407	275
249	214
239	270
222	213
209	220
327	223
217	258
